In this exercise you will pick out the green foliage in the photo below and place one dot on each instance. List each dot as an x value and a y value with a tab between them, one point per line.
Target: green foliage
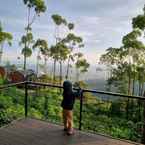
5	37
43	50
42	45
70	26
35	113
27	39
130	40
139	22
83	65
27	52
5	101
58	20
1	80
9	108
38	5
59	52
15	111
116	108
72	38
4	118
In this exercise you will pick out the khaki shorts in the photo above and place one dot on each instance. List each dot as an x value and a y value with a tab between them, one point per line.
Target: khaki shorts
68	118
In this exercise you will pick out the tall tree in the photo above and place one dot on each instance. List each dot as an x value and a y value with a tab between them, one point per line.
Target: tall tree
26	42
42	50
4	37
70	28
38	6
73	42
63	51
127	56
81	65
139	21
55	56
59	52
58	20
131	48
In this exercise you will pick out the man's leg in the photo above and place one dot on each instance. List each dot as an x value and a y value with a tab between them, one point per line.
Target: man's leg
70	121
65	119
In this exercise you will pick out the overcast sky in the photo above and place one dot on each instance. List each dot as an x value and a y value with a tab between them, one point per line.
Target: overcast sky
101	23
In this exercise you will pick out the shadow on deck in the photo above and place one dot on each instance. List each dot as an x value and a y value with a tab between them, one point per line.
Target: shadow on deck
36	132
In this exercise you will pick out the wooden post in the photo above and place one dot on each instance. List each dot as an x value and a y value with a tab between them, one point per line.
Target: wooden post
26	99
81	108
143	136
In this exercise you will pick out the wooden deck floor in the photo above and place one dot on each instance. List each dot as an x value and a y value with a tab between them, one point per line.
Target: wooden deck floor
35	132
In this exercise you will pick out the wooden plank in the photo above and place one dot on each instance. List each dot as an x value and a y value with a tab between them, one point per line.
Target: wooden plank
36	132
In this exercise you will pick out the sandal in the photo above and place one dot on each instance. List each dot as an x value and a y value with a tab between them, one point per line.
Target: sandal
70	132
65	129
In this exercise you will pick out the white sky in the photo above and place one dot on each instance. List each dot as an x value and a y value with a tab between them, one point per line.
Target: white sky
101	23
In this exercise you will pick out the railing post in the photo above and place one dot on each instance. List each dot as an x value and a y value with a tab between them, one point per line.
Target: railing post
26	99
81	108
143	135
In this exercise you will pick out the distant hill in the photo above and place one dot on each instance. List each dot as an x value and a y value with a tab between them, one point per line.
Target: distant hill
97	84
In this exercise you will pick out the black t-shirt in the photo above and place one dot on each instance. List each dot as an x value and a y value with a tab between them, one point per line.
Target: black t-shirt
68	100
68	96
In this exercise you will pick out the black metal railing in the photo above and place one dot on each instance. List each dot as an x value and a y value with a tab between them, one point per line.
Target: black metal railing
82	103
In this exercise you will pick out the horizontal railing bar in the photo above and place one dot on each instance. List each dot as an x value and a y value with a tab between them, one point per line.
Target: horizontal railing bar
44	84
113	94
84	90
11	85
91	91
